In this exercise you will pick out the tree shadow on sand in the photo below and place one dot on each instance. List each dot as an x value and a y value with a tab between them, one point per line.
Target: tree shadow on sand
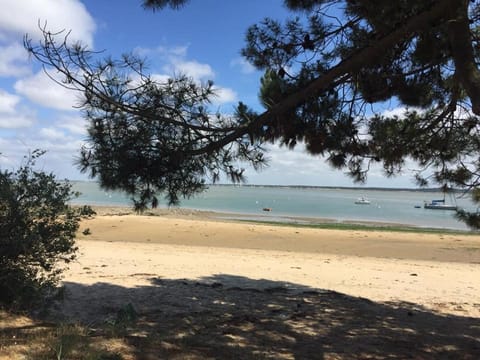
233	317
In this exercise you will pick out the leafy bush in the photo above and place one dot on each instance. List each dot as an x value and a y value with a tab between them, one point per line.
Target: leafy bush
86	211
37	233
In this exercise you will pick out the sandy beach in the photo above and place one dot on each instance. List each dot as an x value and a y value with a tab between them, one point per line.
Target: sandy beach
440	272
207	288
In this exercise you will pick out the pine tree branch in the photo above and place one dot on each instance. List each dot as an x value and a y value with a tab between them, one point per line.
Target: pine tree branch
355	62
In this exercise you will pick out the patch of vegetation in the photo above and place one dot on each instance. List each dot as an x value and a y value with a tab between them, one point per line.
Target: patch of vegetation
72	341
37	233
86	211
125	318
364	227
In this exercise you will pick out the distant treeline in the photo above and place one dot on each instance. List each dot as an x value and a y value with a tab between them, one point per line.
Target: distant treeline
428	190
343	188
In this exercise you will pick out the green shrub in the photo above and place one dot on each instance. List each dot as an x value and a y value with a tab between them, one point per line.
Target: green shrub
37	233
86	211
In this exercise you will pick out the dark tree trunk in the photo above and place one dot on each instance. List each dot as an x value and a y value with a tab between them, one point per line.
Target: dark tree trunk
466	70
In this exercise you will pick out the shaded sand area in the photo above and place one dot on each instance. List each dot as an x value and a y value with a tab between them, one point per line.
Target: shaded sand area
203	288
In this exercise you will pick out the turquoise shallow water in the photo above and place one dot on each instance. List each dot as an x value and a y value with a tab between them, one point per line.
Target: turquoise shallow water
388	206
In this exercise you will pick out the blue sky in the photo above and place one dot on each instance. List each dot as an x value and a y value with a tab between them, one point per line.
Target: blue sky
203	40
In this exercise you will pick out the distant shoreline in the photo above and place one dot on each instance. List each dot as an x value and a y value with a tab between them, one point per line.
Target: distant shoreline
326	187
362	188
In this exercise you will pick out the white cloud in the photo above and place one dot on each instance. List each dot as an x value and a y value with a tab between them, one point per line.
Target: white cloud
62	147
299	160
58	159
8	102
297	167
23	16
294	167
399	111
13	60
52	134
160	78
42	90
224	95
244	65
174	52
75	125
11	117
15	121
52	139
194	69
174	60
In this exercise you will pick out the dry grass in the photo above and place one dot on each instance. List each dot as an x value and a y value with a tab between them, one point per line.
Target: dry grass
24	338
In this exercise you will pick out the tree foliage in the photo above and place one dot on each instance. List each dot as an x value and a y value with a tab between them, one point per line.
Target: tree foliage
162	4
37	231
147	136
328	73
377	51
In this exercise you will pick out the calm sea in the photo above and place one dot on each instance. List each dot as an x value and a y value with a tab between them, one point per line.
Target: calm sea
387	206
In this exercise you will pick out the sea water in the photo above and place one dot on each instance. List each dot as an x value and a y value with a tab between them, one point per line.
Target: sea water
338	204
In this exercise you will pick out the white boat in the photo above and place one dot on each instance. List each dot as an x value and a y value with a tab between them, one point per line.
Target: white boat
362	201
439	205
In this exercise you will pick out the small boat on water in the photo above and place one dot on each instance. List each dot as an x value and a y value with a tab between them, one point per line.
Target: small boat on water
267	209
439	205
362	201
